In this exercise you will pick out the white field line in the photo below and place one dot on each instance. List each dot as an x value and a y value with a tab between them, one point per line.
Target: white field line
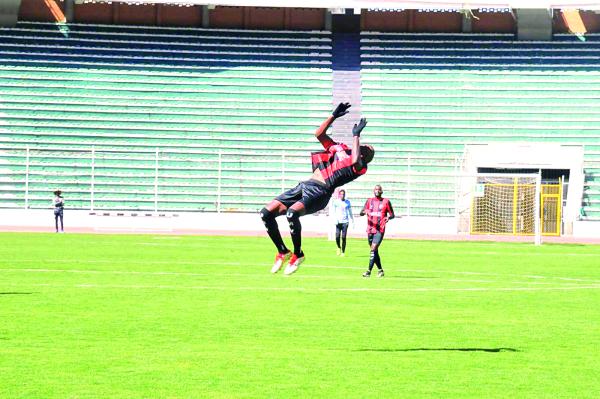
245	275
517	253
160	244
127	262
269	275
364	289
267	266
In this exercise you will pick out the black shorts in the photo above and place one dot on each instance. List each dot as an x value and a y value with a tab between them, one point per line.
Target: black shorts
314	195
343	227
58	211
376	238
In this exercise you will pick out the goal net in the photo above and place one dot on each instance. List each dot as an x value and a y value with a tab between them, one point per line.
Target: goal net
505	204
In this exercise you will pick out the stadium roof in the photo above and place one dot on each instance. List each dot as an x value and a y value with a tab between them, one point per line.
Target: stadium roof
379	4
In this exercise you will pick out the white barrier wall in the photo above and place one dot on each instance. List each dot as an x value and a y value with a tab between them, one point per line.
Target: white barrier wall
224	223
249	223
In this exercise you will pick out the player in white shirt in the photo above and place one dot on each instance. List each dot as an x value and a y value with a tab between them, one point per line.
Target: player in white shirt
341	210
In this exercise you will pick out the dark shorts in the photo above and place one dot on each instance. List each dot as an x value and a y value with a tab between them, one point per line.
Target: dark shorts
314	195
58	211
375	238
343	227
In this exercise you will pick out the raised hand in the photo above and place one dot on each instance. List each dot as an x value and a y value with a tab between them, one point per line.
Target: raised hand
358	127
341	110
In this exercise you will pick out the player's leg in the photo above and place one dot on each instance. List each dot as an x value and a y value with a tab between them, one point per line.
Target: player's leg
371	256
56	220
268	214
338	231
276	208
344	233
62	226
293	216
315	197
377	239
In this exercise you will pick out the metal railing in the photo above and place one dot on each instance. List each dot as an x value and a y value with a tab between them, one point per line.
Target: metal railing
216	180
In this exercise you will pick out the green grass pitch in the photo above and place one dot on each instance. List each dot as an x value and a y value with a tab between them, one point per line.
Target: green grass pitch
124	316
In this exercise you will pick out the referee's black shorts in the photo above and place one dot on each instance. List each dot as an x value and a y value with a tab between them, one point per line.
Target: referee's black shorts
313	194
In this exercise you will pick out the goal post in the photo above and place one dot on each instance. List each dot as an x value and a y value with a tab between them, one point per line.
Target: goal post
501	204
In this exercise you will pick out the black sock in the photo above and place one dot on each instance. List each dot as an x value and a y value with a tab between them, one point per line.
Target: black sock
343	243
378	259
371	260
268	219
295	230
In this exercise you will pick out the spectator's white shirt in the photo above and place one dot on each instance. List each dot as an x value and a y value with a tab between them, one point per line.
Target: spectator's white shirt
58	201
341	211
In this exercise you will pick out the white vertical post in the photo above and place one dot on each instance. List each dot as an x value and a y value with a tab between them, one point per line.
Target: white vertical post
562	208
562	191
408	187
219	171
283	171
456	193
538	190
156	181
92	183
27	177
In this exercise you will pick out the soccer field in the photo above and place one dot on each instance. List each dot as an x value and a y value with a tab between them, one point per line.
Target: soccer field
123	316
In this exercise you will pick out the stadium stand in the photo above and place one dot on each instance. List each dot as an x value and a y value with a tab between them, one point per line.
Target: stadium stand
428	95
175	119
138	118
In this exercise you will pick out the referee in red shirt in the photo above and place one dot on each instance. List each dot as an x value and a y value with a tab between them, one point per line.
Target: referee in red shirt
379	211
332	168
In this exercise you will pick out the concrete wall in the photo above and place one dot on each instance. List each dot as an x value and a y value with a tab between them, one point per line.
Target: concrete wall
416	21
238	223
279	18
282	18
9	10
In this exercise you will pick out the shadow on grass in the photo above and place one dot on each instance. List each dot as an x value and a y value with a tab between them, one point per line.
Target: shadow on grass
16	293
441	349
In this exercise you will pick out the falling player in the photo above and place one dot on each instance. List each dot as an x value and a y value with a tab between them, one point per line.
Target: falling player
332	168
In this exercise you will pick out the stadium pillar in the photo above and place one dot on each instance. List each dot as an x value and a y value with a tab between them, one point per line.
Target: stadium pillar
467	22
328	20
205	17
534	24
69	10
9	12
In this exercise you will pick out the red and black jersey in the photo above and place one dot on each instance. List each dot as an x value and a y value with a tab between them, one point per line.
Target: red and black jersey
335	164
377	210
